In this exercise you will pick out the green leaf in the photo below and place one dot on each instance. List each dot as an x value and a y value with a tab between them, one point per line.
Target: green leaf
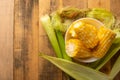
70	13
103	15
56	22
51	34
116	66
117	31
62	45
77	71
115	69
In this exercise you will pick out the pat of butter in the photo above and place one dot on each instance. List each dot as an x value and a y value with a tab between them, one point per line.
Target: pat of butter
78	24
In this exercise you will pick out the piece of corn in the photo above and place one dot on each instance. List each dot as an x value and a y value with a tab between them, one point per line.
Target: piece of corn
75	48
87	34
72	33
106	37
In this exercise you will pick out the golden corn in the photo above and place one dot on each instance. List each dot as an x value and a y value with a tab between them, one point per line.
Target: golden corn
75	48
87	34
72	33
106	37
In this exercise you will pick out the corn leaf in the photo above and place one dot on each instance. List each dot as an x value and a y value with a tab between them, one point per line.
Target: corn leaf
77	71
62	45
103	15
51	34
115	69
73	13
116	66
56	22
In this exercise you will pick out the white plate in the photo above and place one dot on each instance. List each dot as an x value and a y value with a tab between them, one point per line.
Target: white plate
93	22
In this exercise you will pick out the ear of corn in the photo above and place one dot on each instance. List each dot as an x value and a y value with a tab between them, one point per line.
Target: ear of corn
75	48
87	34
106	37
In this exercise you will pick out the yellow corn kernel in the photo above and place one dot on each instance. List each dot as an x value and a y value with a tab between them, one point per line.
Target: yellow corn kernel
88	35
106	37
75	48
72	33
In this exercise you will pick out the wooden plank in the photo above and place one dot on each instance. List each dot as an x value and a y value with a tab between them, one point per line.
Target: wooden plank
99	4
26	40
75	3
6	39
18	36
115	7
47	71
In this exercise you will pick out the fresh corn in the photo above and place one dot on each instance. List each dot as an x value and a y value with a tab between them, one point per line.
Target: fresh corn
106	37
75	48
87	34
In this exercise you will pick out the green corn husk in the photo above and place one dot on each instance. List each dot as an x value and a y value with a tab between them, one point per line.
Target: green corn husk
59	28
56	22
61	19
115	69
72	13
51	34
77	71
103	15
62	45
116	66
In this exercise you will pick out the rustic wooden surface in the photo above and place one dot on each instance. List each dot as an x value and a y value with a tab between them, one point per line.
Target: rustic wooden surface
26	40
6	39
22	37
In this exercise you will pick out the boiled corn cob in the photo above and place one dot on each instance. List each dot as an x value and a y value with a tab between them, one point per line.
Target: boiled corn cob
75	48
106	37
87	34
72	33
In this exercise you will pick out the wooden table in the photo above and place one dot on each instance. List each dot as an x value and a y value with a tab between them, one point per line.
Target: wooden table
22	37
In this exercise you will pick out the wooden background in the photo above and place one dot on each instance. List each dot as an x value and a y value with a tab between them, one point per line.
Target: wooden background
22	37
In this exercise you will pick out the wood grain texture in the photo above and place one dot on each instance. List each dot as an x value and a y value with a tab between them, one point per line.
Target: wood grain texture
47	71
6	39
99	4
26	40
75	3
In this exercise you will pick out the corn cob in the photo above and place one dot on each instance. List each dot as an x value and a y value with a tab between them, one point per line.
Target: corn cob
75	48
87	34
106	37
72	33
